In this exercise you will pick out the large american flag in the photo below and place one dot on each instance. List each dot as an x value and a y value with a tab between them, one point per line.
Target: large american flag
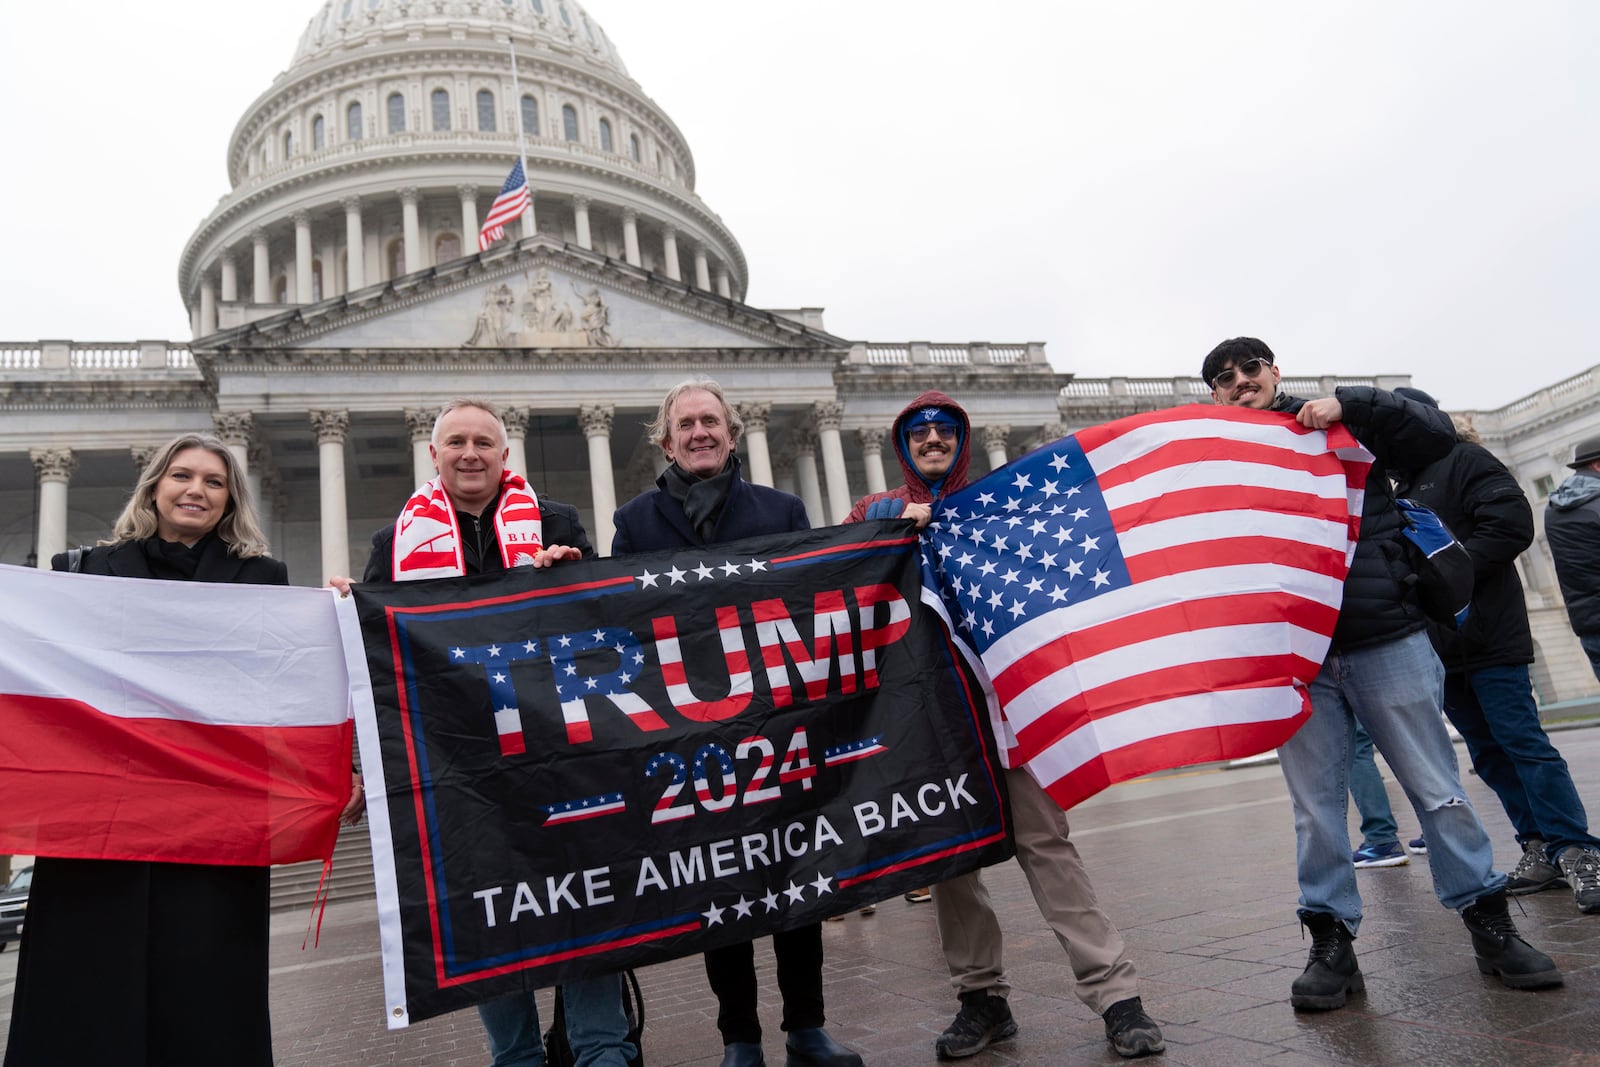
1151	593
514	198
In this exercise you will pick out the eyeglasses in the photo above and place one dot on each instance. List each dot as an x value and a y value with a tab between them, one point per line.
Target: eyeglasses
1249	368
919	434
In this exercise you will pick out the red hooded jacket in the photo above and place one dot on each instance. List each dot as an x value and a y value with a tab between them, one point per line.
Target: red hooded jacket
916	490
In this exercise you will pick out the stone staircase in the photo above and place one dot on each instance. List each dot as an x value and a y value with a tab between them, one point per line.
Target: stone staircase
294	885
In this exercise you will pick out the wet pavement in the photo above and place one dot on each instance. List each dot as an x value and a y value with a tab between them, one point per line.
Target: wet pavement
1198	871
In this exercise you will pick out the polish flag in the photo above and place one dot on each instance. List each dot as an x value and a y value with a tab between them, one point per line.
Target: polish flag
177	721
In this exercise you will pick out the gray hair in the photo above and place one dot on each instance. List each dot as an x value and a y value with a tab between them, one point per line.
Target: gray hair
239	526
470	402
660	430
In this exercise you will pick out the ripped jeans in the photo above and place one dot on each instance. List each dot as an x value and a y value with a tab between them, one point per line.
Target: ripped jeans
1395	689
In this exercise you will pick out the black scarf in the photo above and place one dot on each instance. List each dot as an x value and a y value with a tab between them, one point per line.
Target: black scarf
176	561
701	498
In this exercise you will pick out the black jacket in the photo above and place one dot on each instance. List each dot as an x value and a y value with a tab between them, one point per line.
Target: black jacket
1380	603
1479	499
127	559
653	520
559	522
1572	526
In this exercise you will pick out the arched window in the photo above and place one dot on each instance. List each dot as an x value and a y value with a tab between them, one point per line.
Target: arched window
397	257
588	31
605	135
397	113
485	111
344	12
266	157
446	246
566	19
537	5
633	146
288	144
569	120
441	109
319	134
530	116
352	122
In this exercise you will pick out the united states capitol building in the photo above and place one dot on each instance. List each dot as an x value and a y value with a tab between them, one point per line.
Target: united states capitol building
337	297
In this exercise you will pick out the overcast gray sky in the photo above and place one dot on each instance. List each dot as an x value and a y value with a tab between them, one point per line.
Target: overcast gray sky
1371	187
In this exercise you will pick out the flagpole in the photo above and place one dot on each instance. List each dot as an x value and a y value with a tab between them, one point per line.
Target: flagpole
522	135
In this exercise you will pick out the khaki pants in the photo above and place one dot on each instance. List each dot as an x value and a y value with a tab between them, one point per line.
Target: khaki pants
970	933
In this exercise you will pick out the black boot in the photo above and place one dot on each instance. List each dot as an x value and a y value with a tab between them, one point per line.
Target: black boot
815	1048
1501	950
1332	971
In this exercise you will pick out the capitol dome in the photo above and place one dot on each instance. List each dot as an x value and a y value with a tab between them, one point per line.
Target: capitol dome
378	151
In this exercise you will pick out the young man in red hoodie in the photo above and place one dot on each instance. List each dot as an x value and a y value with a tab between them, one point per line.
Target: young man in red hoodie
931	438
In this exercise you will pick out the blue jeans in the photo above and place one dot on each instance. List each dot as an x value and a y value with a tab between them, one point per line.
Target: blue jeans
1496	714
1394	690
1591	648
597	1029
1372	800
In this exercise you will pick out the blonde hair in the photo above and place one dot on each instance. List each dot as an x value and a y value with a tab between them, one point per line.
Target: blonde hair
239	527
660	431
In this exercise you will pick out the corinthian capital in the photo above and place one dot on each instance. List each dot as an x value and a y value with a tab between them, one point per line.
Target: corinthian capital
804	440
419	422
516	420
754	416
596	419
233	427
53	464
995	437
871	440
332	426
829	414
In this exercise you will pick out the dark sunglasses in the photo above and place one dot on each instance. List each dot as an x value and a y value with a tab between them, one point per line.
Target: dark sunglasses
921	433
1249	368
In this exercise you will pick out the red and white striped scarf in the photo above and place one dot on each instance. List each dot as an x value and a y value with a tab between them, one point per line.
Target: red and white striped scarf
427	538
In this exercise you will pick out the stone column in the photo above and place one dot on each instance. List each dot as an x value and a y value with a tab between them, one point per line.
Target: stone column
141	456
258	457
630	238
469	217
596	422
723	286
805	466
872	458
355	243
755	416
516	420
234	428
414	258
332	428
419	421
994	443
669	253
262	282
330	269
580	212
54	468
702	273
208	307
828	415
783	474
230	278
302	258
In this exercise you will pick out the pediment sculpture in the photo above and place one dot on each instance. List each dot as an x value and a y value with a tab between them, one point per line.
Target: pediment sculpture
541	317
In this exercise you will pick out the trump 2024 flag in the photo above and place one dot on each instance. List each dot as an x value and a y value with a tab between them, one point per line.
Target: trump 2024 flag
1153	592
177	721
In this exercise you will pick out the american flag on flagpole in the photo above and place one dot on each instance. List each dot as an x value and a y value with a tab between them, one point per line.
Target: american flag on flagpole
1151	593
514	198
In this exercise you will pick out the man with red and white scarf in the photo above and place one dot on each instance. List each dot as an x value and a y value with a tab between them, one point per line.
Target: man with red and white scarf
476	517
931	438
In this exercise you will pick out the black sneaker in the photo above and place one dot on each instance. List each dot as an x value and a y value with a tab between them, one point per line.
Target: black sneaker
1581	865
983	1020
1534	872
1132	1032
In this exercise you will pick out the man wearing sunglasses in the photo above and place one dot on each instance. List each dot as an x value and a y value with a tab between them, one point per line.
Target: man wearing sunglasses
931	438
1381	670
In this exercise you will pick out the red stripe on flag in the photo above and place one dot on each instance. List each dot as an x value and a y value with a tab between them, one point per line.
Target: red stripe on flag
1178	503
105	787
1183	559
1218	449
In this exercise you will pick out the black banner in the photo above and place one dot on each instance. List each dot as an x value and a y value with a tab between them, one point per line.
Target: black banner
616	762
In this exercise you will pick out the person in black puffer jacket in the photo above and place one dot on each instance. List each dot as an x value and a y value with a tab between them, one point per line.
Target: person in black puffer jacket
1487	691
1382	671
1572	526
